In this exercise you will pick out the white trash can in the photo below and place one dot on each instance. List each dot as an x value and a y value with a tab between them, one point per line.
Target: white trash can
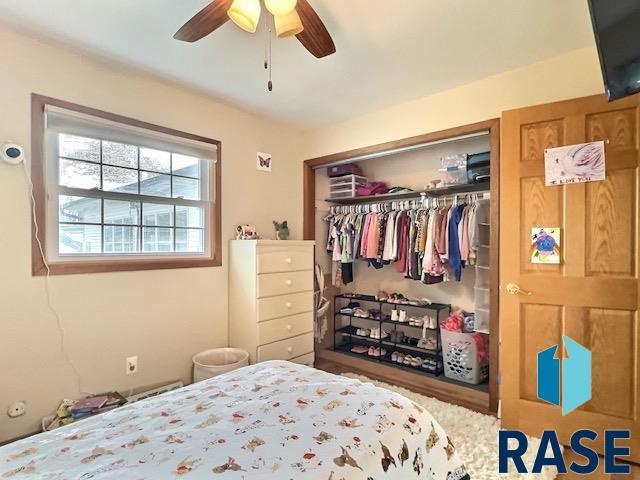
211	363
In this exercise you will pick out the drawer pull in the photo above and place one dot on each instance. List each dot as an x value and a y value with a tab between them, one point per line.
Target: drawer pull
289	260
289	305
289	283
289	327
290	349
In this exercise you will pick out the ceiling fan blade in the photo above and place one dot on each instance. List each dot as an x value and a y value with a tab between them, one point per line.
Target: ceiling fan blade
315	36
210	18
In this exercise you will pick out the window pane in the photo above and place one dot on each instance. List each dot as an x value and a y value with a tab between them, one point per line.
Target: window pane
157	215
79	209
121	239
189	240
155	184
120	154
186	188
186	166
79	174
189	217
157	239
75	239
121	213
116	179
155	160
79	147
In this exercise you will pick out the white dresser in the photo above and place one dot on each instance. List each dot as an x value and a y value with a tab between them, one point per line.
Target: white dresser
271	299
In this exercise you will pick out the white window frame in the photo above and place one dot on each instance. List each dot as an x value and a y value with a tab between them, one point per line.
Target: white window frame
62	121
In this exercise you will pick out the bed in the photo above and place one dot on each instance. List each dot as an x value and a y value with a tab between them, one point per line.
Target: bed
274	420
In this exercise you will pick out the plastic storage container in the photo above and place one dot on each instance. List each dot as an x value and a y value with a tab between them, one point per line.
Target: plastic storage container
211	363
460	354
345	186
454	170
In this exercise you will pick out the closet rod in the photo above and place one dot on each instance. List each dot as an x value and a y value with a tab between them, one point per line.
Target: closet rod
386	153
422	197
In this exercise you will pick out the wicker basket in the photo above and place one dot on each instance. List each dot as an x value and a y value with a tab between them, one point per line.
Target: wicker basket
460	354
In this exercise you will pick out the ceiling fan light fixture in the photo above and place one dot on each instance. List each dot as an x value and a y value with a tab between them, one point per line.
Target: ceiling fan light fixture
245	14
280	7
288	25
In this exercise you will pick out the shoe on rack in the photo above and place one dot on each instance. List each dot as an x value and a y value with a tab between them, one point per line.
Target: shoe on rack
416	362
371	351
382	296
360	313
416	322
384	335
402	316
433	323
359	349
375	333
400	358
349	309
394	357
394	315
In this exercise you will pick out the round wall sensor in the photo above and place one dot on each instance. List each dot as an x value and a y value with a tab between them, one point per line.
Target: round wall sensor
12	154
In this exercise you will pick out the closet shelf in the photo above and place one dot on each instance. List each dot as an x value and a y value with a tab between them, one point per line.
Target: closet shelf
433	193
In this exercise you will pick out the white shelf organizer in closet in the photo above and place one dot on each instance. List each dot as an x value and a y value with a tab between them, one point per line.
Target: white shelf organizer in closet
482	290
271	299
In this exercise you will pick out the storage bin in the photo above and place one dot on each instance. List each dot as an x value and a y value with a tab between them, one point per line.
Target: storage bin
454	170
460	355
342	170
211	363
345	186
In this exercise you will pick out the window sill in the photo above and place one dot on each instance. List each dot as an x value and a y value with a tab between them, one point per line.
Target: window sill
80	267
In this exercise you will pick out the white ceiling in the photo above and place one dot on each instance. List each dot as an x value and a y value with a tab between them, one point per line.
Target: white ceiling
388	51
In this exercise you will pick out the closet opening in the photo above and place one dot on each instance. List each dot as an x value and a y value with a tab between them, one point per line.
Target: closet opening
404	307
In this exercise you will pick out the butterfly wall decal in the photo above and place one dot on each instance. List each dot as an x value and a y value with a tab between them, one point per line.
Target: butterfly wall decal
264	162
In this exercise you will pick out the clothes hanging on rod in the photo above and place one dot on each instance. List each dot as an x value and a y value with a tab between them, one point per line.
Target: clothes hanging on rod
429	240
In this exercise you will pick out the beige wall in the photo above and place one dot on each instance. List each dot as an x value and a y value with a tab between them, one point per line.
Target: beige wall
108	317
575	74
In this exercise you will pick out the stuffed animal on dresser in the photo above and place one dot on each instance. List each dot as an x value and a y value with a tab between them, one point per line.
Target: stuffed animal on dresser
282	230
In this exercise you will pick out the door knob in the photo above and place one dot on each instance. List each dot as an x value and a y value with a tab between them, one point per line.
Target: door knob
514	289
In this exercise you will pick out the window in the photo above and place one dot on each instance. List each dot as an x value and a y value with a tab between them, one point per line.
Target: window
122	195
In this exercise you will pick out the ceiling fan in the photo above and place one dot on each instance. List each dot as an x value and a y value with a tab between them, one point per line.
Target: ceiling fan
292	17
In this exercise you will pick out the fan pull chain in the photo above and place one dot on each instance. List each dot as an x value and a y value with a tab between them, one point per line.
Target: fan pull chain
268	58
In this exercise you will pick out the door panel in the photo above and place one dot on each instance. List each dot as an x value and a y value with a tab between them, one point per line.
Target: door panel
592	296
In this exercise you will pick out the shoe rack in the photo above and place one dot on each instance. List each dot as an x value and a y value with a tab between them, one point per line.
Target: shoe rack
348	332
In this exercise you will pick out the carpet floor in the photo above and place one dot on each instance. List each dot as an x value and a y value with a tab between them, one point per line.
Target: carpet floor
475	435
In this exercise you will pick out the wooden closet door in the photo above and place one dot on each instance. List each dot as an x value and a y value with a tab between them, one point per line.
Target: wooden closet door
592	296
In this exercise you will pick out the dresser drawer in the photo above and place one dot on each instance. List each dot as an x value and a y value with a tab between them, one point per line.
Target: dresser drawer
272	284
308	359
284	259
274	330
284	305
286	349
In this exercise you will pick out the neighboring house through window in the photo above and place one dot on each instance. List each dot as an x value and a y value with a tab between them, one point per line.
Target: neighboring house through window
114	193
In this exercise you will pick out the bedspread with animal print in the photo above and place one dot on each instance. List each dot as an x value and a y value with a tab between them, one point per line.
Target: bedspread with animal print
274	420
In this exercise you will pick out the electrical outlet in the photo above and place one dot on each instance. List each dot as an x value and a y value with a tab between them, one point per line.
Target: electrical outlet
132	365
17	409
